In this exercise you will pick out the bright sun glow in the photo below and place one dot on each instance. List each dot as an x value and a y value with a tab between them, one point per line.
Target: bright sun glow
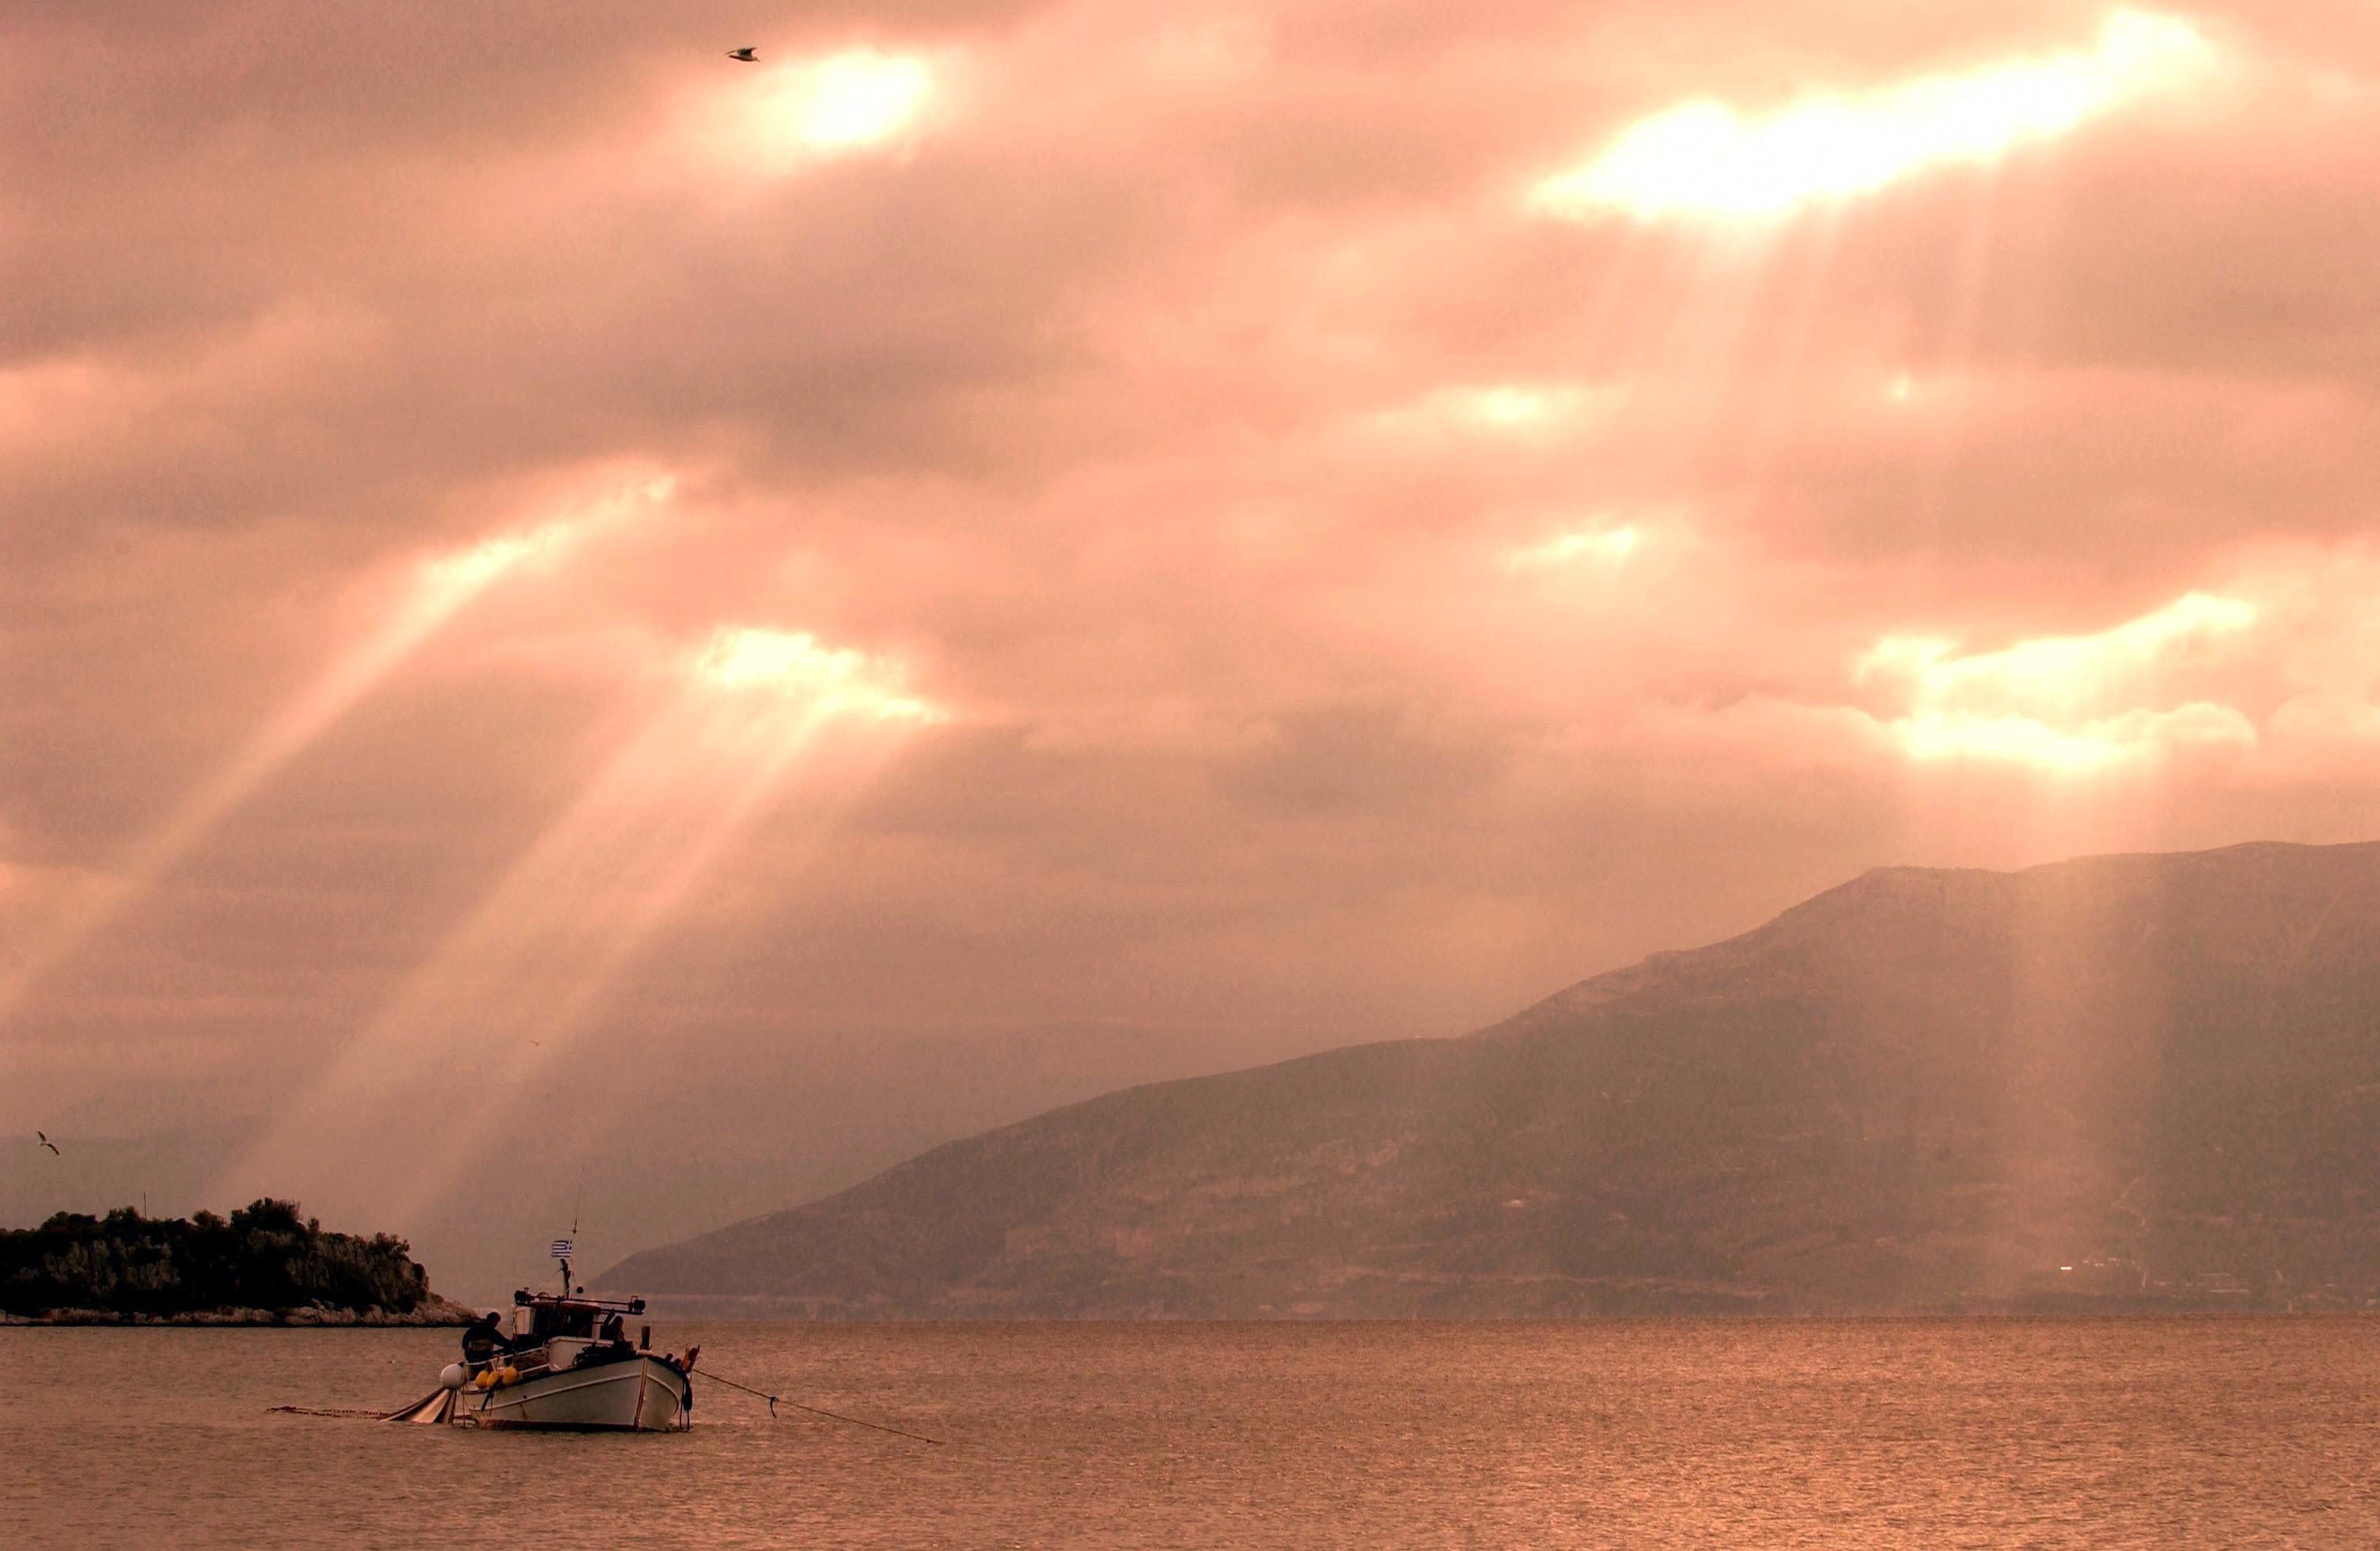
2102	741
837	680
849	99
1506	405
2045	702
1523	412
1607	547
1703	159
466	571
2055	672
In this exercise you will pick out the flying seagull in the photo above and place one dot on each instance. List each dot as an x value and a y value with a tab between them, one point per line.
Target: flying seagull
744	55
48	1142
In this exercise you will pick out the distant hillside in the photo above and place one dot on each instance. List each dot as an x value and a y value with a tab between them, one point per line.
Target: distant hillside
2117	1080
753	1122
262	1263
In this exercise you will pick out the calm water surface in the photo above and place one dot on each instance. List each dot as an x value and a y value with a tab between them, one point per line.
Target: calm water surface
2100	1433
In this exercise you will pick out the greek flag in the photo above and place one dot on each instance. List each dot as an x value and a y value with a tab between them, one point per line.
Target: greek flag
561	1250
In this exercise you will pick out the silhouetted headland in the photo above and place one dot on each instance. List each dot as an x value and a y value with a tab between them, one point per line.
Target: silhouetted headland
2121	1082
262	1266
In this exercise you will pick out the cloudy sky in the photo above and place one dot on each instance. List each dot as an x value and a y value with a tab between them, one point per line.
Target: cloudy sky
1329	518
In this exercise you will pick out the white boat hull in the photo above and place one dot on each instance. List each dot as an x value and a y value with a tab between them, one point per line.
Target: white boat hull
640	1394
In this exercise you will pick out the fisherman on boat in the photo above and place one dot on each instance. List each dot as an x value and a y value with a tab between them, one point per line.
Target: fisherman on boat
483	1338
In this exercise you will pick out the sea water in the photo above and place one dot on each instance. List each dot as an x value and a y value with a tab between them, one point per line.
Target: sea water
1934	1433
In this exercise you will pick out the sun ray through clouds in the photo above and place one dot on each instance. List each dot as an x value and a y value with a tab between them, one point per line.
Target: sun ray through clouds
758	713
439	589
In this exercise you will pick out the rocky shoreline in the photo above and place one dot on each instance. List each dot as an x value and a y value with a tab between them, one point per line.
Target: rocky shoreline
433	1313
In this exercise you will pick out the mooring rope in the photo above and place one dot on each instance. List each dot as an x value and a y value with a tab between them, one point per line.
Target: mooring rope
814	1411
330	1411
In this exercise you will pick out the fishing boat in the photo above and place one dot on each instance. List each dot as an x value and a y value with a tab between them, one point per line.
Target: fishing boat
567	1363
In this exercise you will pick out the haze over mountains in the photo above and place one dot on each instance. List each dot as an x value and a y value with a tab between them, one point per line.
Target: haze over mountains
2120	1078
737	1133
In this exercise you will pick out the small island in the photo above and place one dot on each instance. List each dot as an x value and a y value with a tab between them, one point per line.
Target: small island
263	1266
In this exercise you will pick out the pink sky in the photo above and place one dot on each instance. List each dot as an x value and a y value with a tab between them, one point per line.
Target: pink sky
1341	517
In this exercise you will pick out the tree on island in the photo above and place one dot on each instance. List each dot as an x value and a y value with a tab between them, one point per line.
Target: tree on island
265	1256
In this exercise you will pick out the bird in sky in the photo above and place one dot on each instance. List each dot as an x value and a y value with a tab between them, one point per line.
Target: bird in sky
744	55
48	1142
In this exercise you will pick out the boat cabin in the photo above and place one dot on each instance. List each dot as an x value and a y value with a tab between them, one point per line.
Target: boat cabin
568	1327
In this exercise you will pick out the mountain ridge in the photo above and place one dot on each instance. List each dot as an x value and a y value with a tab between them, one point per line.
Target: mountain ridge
1920	1089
